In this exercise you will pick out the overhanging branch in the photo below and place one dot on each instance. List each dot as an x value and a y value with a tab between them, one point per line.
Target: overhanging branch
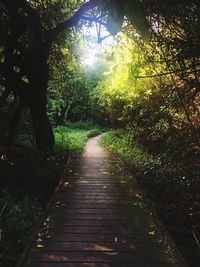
185	71
73	21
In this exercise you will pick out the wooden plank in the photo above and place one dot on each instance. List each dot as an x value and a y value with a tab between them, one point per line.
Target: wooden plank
103	237
100	229
101	246
91	216
109	211
93	222
97	206
77	200
106	256
95	199
96	222
98	264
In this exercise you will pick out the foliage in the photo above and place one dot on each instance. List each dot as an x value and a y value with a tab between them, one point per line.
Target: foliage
29	30
132	155
70	89
117	10
72	138
134	94
17	220
154	94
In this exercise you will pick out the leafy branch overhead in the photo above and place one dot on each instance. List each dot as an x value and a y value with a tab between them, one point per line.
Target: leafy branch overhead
118	11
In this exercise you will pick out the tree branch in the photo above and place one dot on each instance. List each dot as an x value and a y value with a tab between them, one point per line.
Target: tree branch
188	71
93	19
73	21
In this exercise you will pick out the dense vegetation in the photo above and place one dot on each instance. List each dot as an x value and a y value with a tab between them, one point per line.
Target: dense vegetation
145	84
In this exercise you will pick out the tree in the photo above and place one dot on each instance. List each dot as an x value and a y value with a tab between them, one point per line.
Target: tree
27	34
25	46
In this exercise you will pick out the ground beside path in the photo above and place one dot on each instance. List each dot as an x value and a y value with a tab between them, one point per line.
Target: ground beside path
95	220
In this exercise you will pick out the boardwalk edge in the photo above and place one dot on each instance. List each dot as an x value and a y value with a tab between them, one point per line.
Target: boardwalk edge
31	239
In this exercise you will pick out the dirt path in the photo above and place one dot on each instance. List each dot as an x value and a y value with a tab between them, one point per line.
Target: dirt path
97	221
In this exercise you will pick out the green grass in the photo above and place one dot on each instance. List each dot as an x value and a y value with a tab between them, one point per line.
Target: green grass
132	155
72	138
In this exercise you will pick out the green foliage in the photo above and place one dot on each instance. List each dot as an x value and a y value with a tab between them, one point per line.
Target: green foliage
72	137
18	219
115	17
117	10
136	15
130	152
70	86
84	125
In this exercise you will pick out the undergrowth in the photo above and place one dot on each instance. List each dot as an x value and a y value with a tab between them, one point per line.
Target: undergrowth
172	186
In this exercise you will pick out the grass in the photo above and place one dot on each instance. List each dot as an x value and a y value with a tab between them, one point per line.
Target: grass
72	138
27	184
132	156
173	187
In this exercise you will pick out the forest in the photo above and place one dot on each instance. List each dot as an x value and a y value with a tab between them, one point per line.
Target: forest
73	69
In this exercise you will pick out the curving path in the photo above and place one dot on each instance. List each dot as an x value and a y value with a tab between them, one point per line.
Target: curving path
95	220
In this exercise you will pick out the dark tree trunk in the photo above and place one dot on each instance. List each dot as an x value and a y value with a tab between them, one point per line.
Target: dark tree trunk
38	108
42	129
14	123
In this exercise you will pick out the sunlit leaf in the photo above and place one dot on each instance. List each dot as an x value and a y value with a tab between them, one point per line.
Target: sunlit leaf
66	184
152	233
40	246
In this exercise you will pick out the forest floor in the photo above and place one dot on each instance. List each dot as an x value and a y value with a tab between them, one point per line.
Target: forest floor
28	182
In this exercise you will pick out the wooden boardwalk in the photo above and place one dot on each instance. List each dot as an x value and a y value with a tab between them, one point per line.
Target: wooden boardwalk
95	220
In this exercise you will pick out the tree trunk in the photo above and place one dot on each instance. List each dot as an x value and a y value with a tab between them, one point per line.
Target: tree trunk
42	130
14	123
38	110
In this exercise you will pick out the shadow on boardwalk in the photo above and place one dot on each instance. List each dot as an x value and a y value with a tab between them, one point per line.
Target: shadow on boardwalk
95	220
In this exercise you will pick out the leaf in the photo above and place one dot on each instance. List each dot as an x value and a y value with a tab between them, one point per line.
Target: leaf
115	17
136	15
40	246
152	233
66	184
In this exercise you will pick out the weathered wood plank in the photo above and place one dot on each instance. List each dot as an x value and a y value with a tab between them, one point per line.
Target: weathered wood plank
60	264
63	229
105	256
96	221
102	246
88	237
